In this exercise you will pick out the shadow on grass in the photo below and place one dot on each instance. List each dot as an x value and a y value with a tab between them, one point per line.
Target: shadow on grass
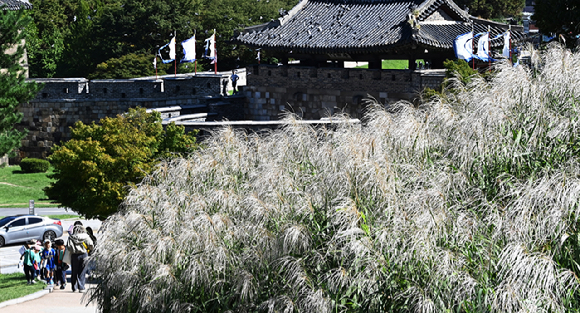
21	172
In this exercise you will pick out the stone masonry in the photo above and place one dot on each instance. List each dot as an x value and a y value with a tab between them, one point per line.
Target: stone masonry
314	93
63	102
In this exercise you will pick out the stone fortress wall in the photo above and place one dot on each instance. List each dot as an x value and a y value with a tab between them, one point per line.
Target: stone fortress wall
64	101
270	91
314	93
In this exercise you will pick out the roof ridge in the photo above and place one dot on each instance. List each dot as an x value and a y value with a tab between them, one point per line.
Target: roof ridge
423	7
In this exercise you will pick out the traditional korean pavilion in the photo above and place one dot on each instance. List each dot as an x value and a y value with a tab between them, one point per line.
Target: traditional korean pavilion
323	34
315	31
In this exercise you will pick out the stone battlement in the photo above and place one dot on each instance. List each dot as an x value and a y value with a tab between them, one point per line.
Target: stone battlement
64	101
200	85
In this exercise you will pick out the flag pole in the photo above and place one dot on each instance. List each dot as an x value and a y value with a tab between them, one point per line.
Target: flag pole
510	32
195	62
489	47
472	42
175	36
215	49
156	67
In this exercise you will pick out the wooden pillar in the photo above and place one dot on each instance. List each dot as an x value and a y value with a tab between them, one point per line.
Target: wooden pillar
375	64
412	64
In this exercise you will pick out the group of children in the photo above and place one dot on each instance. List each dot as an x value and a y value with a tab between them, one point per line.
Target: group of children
44	262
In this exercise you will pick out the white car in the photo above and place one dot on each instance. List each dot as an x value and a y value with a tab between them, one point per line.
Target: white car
21	228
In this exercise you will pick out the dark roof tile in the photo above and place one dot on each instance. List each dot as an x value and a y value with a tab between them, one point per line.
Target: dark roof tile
333	26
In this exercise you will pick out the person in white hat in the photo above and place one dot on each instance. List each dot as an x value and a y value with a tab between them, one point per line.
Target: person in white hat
48	262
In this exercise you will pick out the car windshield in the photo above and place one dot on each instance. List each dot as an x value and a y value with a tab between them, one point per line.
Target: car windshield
6	220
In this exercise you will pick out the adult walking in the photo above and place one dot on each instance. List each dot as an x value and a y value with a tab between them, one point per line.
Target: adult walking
78	246
235	79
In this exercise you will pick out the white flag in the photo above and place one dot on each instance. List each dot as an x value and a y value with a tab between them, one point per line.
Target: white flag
210	52
506	44
171	45
189	49
462	46
155	62
483	47
172	49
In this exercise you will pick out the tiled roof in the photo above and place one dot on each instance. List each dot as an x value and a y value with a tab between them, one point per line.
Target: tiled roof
442	36
336	26
15	4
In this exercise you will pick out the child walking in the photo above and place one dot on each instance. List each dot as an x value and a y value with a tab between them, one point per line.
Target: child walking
61	267
31	258
48	261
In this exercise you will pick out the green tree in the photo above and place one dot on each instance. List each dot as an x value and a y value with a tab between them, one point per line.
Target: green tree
459	68
93	169
46	37
141	26
61	37
14	90
490	9
558	16
128	66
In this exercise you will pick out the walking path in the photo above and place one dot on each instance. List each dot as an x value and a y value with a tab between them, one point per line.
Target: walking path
58	301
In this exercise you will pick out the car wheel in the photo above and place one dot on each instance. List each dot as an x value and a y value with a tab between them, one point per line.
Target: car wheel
2	242
49	235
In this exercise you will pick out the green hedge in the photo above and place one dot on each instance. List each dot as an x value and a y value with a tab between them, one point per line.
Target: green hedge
30	165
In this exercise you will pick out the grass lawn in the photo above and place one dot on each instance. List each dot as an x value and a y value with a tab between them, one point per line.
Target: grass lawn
14	286
58	217
392	64
17	188
62	216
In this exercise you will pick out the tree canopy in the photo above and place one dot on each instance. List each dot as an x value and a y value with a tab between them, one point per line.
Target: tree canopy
558	16
71	38
491	9
13	88
93	169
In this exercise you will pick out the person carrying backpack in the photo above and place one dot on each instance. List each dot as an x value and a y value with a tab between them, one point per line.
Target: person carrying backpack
78	246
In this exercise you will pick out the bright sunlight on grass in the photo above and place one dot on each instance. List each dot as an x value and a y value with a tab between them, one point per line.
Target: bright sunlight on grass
17	188
14	286
62	216
392	64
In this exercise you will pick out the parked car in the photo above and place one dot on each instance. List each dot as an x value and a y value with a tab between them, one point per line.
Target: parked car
21	228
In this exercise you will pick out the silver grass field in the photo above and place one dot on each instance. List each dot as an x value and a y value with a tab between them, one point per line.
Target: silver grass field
466	203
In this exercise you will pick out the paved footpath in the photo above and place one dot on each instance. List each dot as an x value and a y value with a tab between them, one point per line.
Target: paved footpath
58	301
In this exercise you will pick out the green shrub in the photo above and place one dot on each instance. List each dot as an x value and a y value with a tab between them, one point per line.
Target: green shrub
460	69
92	170
31	165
